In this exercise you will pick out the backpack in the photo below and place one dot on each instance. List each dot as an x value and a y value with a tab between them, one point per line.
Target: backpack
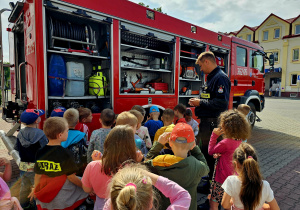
79	152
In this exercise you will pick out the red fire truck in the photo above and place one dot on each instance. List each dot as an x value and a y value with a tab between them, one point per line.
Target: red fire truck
116	54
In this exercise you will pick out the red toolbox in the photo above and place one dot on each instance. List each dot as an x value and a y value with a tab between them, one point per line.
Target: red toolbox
159	85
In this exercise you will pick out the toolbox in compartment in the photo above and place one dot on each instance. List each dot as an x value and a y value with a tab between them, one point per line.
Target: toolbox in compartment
159	85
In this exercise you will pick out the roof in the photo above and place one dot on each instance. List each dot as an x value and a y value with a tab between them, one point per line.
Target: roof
254	28
269	17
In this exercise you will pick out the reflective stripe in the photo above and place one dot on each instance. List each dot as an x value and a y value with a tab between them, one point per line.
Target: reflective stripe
205	95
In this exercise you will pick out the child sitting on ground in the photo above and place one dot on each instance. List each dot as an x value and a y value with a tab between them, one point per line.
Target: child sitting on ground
179	111
131	188
192	122
234	127
183	169
143	132
153	124
58	112
119	147
56	185
167	118
6	201
76	141
126	118
29	140
247	190
85	116
107	119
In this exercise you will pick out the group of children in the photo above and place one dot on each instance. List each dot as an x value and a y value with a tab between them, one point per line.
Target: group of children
121	161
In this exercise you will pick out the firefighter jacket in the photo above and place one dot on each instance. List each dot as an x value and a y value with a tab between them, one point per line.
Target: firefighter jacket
215	95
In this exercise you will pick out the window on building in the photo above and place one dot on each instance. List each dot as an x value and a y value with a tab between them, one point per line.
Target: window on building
296	54
294	79
266	35
241	56
275	56
276	33
256	61
249	37
241	37
297	29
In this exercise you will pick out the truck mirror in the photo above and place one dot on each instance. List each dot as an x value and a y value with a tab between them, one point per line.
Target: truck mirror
271	60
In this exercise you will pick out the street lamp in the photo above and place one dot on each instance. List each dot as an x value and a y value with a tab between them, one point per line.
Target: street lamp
1	56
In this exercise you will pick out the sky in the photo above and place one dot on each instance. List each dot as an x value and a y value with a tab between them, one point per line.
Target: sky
215	15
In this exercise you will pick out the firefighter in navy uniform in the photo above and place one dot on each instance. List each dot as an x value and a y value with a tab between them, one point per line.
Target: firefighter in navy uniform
214	99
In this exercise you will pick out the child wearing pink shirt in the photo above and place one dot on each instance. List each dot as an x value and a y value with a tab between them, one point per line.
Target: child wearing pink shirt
234	127
98	173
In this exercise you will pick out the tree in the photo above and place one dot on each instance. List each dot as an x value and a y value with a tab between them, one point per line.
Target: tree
158	9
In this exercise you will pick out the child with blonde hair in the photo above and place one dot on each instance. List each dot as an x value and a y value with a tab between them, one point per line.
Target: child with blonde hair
143	132
234	127
126	118
119	147
131	188
76	141
247	190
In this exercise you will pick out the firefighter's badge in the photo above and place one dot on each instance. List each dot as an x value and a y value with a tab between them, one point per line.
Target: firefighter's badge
221	89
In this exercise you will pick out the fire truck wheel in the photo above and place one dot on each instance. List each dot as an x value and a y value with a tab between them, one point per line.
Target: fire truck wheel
252	115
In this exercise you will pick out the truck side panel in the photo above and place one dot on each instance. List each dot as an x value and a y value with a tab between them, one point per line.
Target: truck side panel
30	53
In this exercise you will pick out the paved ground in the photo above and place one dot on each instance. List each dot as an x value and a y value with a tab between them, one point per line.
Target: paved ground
277	140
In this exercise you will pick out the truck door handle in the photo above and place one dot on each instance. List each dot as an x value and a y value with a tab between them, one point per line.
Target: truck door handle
253	83
235	82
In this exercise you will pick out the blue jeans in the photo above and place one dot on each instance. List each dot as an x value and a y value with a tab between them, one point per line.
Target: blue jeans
27	181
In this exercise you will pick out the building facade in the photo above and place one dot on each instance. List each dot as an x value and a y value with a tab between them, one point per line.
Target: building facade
282	38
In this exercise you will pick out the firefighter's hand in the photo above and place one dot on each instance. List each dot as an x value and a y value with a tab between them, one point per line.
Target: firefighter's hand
96	155
164	138
218	131
194	102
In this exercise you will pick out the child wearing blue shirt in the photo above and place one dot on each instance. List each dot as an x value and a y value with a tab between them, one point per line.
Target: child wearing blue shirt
154	123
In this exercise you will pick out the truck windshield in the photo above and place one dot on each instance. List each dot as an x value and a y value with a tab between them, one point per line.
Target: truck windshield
257	61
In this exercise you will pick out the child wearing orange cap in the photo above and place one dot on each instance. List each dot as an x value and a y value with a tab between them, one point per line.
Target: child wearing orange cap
183	169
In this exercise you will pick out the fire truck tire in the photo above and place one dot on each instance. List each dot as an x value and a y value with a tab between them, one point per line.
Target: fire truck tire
252	115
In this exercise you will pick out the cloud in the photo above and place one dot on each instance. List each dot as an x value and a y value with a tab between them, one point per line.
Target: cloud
226	15
216	15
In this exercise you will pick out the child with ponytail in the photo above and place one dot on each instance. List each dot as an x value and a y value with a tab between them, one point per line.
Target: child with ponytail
247	191
131	189
234	127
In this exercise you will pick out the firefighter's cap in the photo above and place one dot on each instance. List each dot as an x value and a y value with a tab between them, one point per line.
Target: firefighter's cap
29	116
182	130
58	112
